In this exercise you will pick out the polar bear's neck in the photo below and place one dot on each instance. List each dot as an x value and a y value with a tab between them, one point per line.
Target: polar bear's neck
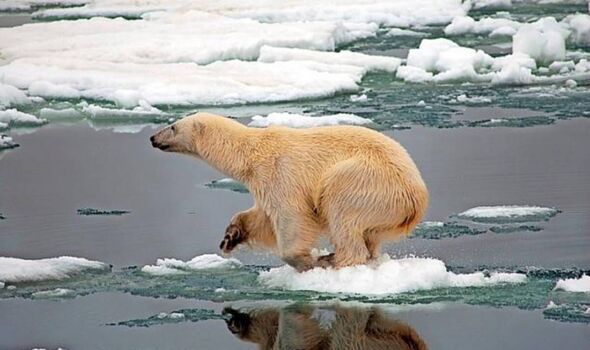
229	146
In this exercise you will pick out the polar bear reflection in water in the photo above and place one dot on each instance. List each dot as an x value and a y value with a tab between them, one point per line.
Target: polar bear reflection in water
307	327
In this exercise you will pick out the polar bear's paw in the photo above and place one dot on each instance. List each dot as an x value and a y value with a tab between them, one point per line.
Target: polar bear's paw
234	235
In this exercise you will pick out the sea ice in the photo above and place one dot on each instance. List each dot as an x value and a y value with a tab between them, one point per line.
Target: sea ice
16	270
404	32
6	142
306	121
202	262
401	13
368	62
58	293
12	117
581	284
11	96
508	213
385	276
543	40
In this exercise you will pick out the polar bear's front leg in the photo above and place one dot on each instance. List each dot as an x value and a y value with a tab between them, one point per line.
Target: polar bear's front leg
296	235
253	227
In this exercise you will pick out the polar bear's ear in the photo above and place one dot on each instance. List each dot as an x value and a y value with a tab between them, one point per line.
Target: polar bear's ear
198	127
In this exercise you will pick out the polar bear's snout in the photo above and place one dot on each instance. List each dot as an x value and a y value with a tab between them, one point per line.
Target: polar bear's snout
162	139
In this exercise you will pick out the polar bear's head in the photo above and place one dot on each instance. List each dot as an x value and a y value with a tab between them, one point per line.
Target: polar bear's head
197	135
179	137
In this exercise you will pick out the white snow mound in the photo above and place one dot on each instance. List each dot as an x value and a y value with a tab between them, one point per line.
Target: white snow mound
170	266
581	284
14	270
306	121
385	276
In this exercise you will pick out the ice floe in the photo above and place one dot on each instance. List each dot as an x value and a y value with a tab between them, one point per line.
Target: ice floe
14	270
11	96
58	293
508	213
170	266
307	121
184	315
368	62
400	13
6	142
581	284
385	276
13	117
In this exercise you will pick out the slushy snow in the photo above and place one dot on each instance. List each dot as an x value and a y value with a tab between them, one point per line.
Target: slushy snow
581	284
385	276
14	270
306	121
170	266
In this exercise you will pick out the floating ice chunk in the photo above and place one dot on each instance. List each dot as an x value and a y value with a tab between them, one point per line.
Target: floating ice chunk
499	26
11	96
543	40
2	284
358	98
463	98
414	74
562	66
515	228
582	66
6	142
385	276
451	61
581	284
508	213
579	24
60	114
219	83
137	114
13	117
227	184
491	4
368	62
513	74
58	293
16	270
306	121
405	32
570	83
202	262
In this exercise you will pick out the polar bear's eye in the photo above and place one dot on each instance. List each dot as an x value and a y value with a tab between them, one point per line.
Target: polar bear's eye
173	128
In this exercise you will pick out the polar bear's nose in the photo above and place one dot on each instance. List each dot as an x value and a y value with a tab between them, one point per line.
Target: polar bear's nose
153	138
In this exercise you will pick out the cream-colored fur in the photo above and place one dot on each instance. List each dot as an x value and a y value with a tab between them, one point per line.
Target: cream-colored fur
351	183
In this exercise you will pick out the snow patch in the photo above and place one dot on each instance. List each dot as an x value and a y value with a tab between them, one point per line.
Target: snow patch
16	270
170	266
581	284
385	276
306	121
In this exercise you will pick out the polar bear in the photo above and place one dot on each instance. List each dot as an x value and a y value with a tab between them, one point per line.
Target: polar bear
353	184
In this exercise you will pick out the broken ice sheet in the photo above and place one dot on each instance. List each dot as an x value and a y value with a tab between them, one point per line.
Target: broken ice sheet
515	228
6	142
